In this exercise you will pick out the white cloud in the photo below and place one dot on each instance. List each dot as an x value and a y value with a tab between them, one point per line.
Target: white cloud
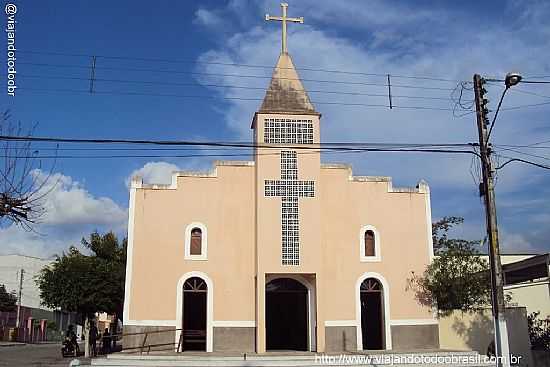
66	201
71	212
16	240
401	40
515	243
207	18
155	173
161	172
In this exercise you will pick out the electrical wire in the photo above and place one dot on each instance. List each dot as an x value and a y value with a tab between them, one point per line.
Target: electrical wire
518	90
236	144
526	154
341	149
56	77
512	159
325	148
525	106
233	75
188	61
535	81
523	81
202	97
496	112
239	155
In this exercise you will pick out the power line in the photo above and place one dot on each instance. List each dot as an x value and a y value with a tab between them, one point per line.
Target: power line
516	89
538	143
38	149
188	61
526	154
351	151
189	96
523	146
56	77
535	81
523	81
336	147
359	150
233	75
512	159
218	143
326	148
525	106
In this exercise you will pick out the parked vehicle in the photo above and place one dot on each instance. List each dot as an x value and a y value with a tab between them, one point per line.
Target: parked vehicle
69	348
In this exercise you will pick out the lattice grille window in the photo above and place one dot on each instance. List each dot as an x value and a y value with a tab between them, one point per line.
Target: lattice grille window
288	131
289	189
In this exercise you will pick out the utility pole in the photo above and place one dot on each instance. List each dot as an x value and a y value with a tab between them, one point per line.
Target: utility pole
502	348
17	323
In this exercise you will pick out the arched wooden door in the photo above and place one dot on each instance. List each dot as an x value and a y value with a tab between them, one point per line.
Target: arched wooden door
372	314
194	311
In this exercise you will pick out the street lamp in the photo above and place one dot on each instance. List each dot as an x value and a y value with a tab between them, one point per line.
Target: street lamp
512	79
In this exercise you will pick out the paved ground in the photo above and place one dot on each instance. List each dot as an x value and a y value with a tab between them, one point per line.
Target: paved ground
35	355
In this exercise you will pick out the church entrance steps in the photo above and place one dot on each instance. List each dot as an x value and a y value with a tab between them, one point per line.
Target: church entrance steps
291	359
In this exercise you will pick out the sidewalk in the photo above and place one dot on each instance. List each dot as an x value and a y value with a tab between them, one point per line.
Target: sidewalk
11	344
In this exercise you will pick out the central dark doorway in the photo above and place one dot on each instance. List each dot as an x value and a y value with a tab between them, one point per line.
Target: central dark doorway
286	315
372	321
193	334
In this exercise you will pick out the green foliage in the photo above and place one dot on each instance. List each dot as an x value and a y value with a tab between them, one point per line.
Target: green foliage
441	240
539	331
51	325
458	278
87	283
8	300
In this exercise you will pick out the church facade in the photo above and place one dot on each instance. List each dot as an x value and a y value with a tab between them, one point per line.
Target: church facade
282	252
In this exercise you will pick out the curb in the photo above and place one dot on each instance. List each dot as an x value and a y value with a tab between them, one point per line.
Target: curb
6	345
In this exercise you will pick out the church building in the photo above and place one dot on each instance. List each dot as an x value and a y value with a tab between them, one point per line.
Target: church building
281	252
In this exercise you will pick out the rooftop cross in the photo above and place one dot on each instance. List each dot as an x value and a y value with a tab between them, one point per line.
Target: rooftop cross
284	19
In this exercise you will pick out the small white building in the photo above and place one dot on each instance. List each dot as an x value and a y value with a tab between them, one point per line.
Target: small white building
528	282
10	273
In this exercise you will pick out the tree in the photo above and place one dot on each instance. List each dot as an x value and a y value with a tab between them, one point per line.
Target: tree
458	278
539	331
23	185
8	300
87	283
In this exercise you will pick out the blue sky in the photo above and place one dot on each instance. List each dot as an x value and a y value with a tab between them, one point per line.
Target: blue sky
450	40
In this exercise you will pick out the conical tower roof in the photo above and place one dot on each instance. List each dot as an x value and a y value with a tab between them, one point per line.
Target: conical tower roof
286	94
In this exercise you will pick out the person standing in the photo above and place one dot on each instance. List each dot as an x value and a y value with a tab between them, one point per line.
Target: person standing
106	342
92	339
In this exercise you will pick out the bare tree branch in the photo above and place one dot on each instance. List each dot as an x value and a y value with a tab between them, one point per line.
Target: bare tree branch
23	184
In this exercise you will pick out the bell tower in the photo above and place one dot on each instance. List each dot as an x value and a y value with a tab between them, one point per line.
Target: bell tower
287	158
288	210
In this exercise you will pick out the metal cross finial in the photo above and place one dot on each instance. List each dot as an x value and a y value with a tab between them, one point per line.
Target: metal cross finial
284	19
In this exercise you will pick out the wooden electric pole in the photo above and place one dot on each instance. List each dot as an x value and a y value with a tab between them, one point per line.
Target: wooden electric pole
17	322
502	348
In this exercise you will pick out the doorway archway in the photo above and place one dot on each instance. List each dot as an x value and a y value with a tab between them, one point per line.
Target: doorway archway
372	314
286	315
194	314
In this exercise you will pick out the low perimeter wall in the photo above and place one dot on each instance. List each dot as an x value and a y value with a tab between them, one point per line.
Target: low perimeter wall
474	331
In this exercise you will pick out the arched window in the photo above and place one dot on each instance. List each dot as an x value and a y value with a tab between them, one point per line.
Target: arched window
369	244
196	242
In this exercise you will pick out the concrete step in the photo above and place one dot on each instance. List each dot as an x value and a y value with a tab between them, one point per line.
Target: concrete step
435	359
